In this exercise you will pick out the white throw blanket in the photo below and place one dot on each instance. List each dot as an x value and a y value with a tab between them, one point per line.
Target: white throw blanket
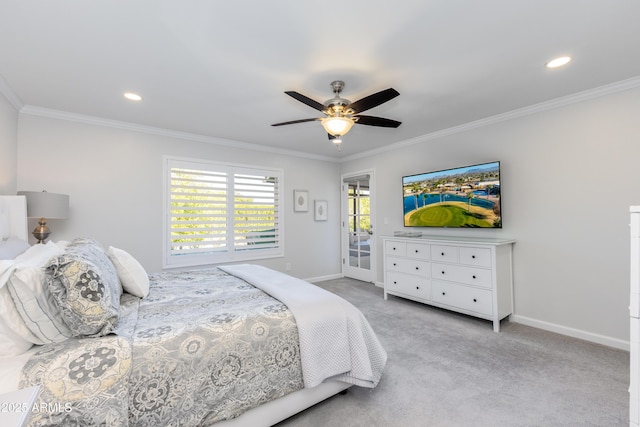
336	340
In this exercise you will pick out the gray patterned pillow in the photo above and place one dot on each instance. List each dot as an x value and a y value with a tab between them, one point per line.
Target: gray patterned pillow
85	287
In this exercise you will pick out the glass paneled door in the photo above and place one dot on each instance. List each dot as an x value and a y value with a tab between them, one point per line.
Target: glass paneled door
358	243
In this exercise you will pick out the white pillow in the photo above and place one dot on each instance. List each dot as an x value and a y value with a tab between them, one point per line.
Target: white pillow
24	269
7	266
11	344
132	275
15	337
12	247
38	255
36	307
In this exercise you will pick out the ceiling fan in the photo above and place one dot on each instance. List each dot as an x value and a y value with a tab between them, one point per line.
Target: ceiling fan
341	114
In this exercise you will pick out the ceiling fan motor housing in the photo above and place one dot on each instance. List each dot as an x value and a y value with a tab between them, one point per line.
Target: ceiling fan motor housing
336	101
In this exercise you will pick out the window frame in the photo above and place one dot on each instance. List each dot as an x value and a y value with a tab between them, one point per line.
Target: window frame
231	254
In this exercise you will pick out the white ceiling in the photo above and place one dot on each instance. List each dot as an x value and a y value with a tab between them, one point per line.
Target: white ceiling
220	69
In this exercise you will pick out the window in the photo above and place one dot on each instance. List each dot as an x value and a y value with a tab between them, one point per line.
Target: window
219	213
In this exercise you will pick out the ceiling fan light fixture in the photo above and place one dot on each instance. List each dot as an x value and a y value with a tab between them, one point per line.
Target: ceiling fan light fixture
337	125
337	142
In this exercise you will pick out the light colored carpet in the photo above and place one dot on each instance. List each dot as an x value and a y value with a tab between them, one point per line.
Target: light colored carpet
446	369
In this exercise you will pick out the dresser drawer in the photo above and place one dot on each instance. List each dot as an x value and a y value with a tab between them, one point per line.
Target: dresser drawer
480	257
408	266
463	297
419	287
418	250
393	247
443	253
457	273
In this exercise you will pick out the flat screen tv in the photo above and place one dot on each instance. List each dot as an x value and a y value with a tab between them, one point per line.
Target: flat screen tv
464	197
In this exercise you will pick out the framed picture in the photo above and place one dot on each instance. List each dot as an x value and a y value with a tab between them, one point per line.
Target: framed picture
320	210
300	200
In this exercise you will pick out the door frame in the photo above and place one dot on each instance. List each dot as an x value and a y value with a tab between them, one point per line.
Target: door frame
370	275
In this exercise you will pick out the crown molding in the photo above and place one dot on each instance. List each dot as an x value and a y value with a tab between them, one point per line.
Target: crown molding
98	121
510	115
10	95
575	98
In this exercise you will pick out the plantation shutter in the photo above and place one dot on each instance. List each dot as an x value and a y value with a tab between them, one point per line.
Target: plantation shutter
256	214
220	213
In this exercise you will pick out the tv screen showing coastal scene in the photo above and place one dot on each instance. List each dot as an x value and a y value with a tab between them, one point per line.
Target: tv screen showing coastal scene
467	196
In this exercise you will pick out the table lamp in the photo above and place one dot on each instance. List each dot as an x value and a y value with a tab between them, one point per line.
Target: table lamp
43	205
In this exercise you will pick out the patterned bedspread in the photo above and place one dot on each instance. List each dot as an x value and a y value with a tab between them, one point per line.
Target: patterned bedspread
204	346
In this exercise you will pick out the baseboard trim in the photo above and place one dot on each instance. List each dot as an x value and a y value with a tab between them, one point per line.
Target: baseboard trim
323	278
576	333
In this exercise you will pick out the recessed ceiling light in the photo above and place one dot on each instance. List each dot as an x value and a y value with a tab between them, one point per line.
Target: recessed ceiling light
558	62
132	96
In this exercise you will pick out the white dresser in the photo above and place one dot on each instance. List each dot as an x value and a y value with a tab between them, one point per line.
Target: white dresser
470	276
634	309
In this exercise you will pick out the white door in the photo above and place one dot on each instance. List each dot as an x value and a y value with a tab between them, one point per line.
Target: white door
358	242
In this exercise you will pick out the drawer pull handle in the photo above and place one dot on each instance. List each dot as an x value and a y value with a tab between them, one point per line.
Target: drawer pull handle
443	272
417	251
442	253
444	293
473	256
418	287
475	300
417	268
394	264
474	276
395	283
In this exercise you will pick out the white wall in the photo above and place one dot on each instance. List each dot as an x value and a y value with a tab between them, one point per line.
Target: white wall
568	177
8	146
114	179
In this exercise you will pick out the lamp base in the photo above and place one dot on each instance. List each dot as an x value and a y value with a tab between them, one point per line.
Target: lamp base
41	232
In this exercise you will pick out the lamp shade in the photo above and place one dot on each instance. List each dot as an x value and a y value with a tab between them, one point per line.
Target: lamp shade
41	204
337	126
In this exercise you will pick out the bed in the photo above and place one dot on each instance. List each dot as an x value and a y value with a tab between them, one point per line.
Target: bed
107	343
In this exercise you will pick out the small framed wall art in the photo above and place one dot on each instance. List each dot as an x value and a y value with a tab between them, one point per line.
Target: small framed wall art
320	210
300	200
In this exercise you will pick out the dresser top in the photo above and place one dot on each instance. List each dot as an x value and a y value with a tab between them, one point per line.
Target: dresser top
457	239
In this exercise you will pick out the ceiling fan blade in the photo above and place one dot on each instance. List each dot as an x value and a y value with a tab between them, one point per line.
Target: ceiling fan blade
306	100
374	100
295	121
377	121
